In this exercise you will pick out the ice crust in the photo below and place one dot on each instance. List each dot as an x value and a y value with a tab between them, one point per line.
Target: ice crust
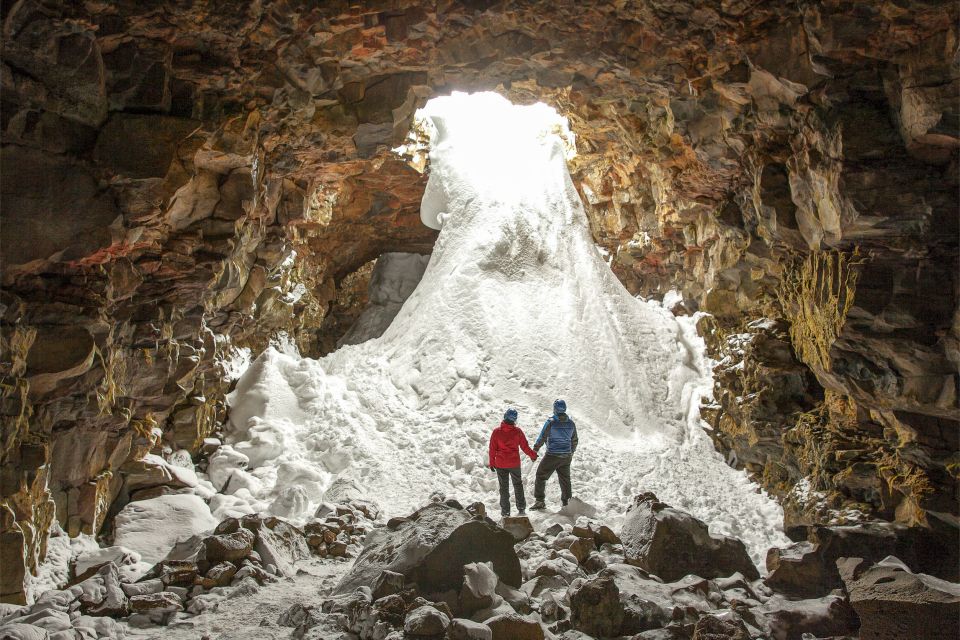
516	308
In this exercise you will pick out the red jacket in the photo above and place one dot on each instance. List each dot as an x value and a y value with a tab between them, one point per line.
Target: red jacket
505	442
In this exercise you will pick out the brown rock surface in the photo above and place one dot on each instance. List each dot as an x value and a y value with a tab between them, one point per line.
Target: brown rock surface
892	602
781	161
670	543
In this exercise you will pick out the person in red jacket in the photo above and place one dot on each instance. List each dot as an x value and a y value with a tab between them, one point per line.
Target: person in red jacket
505	442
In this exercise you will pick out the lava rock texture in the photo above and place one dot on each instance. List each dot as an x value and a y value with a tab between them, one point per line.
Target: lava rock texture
182	179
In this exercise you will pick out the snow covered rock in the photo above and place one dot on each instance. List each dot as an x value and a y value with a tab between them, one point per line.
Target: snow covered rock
892	602
20	631
144	587
479	585
152	527
512	626
425	622
152	470
431	549
102	593
671	543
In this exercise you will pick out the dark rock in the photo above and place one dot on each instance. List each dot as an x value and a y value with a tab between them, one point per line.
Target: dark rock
595	608
229	547
711	627
893	603
518	526
425	622
785	619
670	543
432	549
809	568
387	584
282	545
219	575
461	629
160	606
511	626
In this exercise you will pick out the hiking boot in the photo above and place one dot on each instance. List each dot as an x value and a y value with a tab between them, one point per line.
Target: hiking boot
565	502
538	506
521	513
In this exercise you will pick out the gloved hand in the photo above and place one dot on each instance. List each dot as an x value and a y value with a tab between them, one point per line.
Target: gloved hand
492	468
534	456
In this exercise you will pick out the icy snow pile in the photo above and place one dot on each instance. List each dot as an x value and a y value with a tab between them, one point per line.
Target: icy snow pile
515	308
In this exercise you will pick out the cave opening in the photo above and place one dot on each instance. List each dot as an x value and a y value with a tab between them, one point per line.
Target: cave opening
516	306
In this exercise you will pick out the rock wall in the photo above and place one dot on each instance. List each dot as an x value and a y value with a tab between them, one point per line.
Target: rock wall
181	179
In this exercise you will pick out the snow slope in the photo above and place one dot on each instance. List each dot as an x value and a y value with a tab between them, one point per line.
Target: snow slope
516	308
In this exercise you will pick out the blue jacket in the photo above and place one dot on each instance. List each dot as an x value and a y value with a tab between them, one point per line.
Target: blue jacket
560	434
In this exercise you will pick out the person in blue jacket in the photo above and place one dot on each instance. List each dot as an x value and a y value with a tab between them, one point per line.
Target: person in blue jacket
559	433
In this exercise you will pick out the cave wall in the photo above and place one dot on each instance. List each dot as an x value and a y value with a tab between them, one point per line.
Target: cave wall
183	178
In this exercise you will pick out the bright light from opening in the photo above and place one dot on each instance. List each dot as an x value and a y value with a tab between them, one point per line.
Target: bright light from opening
502	150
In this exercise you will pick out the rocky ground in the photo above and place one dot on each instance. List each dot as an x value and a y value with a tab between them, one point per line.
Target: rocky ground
448	572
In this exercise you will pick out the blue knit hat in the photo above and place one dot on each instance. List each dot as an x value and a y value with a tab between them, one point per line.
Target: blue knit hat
510	416
559	406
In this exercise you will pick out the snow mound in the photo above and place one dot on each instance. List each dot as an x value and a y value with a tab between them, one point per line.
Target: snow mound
151	528
515	308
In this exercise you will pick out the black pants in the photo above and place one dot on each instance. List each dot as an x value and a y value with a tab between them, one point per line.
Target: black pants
549	464
504	476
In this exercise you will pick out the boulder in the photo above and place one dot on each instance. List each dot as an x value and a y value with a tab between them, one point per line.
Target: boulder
808	568
295	615
462	629
511	626
785	619
425	622
579	547
479	585
624	599
595	608
518	526
158	607
541	583
282	545
387	583
670	543
153	527
712	627
102	593
893	602
219	575
229	547
432	548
